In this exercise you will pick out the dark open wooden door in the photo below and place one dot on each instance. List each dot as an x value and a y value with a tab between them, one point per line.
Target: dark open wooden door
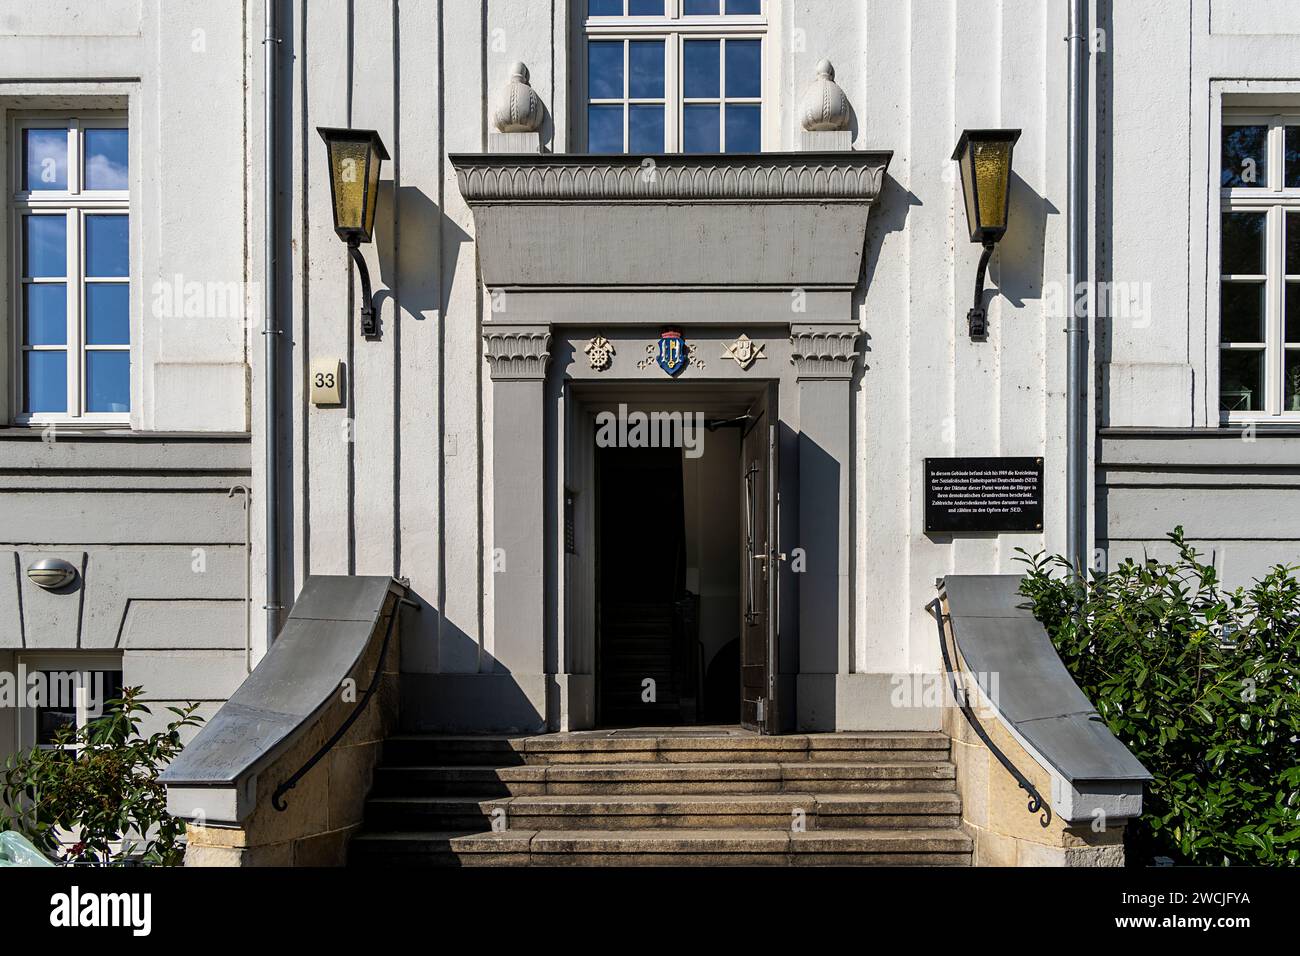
759	567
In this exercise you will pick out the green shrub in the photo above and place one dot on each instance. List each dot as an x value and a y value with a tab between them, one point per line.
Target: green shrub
1202	685
99	786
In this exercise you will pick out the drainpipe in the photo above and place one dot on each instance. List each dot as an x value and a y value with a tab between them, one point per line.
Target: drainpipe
1076	392
271	332
248	572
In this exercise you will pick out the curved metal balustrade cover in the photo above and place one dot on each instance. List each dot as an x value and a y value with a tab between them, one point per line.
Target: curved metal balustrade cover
996	634
320	644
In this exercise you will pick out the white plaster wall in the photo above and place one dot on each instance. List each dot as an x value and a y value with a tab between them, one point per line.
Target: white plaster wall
397	481
1144	195
1171	69
159	546
932	69
179	69
1169	66
410	494
146	519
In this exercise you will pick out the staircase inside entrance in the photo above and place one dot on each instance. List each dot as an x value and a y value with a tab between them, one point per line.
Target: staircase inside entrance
696	797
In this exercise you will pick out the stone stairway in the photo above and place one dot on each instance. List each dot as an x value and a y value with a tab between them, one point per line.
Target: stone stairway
686	798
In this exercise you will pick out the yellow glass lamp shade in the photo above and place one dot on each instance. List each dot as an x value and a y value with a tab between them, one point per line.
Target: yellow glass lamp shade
984	157
355	158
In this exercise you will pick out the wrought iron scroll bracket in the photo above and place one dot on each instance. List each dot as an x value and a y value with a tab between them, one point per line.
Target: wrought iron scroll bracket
369	319
1036	802
277	798
977	319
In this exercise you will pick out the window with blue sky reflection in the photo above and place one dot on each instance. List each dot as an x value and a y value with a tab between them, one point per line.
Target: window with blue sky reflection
71	197
674	76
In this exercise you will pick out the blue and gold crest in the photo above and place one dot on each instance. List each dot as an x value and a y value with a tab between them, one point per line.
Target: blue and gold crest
671	352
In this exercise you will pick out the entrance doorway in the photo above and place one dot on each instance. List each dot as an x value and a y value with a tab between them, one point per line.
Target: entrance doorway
684	583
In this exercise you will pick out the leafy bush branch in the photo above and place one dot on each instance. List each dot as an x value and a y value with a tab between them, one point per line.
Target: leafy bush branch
1203	685
94	797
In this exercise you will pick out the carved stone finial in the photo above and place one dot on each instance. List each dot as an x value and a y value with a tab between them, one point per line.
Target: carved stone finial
824	107
520	108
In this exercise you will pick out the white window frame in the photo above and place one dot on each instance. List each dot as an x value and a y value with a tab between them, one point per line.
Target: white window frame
1275	201
81	665
75	204
675	28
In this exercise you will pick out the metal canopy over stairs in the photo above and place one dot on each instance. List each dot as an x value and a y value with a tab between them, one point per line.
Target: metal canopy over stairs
692	798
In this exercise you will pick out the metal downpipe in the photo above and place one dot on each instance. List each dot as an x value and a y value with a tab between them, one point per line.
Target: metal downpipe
271	330
1077	419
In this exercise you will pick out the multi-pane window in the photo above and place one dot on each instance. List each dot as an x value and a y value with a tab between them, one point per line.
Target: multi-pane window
674	76
1259	267
70	211
65	693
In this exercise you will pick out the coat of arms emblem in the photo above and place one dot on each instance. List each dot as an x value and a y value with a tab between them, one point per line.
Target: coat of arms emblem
671	352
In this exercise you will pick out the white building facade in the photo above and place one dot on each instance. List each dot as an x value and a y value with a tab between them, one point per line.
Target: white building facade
768	180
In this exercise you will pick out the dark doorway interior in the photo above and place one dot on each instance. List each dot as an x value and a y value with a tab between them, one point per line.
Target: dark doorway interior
652	507
642	573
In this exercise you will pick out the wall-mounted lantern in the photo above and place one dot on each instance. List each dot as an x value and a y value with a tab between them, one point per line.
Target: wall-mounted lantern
984	158
355	157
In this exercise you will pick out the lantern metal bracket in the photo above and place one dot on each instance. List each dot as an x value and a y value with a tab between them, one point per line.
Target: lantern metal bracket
369	317
977	319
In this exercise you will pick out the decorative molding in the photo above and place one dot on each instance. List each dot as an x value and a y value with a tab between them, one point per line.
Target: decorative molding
824	107
517	353
600	351
776	177
822	353
745	351
520	109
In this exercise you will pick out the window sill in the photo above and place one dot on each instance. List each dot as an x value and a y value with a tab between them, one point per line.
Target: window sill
111	432
1232	429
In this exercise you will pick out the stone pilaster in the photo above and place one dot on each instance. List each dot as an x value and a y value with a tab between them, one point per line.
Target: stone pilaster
824	357
517	358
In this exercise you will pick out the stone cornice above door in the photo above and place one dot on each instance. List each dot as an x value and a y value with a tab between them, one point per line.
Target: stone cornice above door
569	238
769	177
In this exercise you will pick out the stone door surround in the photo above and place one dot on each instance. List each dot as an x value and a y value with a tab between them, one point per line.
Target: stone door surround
570	246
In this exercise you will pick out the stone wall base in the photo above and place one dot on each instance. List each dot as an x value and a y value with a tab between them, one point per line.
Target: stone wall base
861	702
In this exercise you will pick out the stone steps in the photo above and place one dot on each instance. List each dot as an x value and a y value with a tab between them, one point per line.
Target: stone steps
667	811
689	797
666	847
681	747
686	778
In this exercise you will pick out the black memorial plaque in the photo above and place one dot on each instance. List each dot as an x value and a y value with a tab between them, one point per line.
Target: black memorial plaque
983	495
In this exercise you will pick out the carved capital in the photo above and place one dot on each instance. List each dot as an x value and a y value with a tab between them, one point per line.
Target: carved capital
515	353
824	352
